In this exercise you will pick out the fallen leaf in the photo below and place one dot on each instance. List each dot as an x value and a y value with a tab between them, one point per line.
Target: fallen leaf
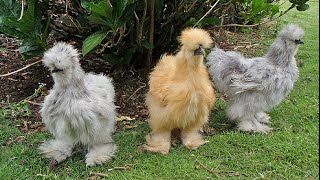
8	142
126	167
124	118
99	174
234	174
130	127
20	139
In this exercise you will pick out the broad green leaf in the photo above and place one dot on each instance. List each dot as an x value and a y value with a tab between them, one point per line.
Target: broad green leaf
26	24
93	41
190	22
302	7
118	8
9	25
95	19
30	48
127	14
103	8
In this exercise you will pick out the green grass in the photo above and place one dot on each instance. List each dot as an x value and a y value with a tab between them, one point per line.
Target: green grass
290	152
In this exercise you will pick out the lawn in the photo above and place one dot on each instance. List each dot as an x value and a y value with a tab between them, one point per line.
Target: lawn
291	151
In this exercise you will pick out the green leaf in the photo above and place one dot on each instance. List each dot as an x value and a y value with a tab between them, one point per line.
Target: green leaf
93	41
26	24
147	44
127	14
9	25
111	58
210	20
118	8
30	48
275	10
9	8
103	8
191	21
159	6
302	7
293	1
95	19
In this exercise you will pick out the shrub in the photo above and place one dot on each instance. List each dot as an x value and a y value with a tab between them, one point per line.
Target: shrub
31	28
120	29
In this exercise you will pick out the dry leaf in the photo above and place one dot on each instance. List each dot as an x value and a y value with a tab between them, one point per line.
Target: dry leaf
234	174
130	127
124	118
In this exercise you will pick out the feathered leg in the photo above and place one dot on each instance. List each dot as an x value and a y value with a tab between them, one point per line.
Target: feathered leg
246	120
192	139
100	153
158	142
263	117
58	149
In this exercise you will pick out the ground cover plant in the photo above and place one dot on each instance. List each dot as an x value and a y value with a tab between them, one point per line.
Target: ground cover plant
289	152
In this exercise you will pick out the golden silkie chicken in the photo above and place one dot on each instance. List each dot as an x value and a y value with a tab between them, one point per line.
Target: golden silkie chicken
181	94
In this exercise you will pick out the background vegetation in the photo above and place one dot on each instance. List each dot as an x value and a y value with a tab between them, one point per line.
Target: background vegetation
126	31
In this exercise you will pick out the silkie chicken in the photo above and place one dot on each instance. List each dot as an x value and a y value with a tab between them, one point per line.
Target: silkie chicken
254	86
78	110
181	94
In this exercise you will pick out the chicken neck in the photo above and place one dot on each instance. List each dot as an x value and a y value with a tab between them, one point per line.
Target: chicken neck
281	54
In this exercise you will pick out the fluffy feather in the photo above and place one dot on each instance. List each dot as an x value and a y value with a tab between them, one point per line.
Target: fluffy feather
79	108
256	85
181	94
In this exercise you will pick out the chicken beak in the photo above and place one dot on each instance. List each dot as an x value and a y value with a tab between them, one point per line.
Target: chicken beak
298	41
199	51
56	70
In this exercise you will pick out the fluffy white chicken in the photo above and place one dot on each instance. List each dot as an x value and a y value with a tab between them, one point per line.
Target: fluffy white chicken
256	85
78	110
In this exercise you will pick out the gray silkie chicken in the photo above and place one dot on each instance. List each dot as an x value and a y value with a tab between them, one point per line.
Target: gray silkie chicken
78	110
256	85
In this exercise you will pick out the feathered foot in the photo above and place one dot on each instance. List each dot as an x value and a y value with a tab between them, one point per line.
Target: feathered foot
263	117
192	139
252	125
56	149
158	142
100	153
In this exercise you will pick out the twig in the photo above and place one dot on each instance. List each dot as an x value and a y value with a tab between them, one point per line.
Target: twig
22	9
98	174
33	103
136	92
27	66
213	170
209	170
126	167
207	13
